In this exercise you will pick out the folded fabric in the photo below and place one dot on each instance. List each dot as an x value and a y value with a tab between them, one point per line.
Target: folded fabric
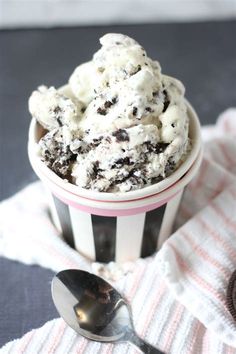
178	296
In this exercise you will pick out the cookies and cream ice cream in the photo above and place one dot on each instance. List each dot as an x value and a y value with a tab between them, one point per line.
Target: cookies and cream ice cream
119	125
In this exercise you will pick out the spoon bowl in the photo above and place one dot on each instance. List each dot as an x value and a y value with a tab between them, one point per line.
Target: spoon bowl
90	305
94	309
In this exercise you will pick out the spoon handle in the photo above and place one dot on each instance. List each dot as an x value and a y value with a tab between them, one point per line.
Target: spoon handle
142	345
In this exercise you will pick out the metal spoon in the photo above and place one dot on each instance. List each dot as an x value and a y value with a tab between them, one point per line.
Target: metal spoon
94	309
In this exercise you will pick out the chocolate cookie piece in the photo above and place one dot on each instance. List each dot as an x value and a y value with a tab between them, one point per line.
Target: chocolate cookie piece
103	110
231	295
56	154
121	135
157	148
170	167
121	162
135	110
166	101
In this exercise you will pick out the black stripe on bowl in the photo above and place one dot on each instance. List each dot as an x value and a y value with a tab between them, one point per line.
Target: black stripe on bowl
104	233
65	221
152	227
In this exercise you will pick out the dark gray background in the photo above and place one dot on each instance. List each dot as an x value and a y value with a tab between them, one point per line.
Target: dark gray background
202	55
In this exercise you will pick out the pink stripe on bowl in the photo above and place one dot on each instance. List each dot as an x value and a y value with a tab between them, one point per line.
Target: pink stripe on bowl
112	212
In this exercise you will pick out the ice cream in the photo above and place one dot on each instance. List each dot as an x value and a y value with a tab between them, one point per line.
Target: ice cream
119	125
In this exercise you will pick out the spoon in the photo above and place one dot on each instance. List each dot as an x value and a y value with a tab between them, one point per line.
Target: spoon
94	309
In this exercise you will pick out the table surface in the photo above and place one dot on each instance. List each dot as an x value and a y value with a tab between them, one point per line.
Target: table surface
202	55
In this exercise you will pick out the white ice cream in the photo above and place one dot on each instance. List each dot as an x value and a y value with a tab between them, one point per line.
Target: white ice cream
52	109
122	122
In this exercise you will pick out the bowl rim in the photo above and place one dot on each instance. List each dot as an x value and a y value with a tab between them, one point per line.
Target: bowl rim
160	198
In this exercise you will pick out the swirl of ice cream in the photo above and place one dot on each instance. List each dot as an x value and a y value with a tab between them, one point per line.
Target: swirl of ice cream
121	124
53	110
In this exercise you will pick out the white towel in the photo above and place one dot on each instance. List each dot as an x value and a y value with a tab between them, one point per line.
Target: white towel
178	296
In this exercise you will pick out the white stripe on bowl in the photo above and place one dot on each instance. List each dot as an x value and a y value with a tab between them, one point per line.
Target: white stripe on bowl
53	210
129	235
168	219
83	232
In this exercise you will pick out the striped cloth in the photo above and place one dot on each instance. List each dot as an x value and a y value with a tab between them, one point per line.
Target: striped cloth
178	296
